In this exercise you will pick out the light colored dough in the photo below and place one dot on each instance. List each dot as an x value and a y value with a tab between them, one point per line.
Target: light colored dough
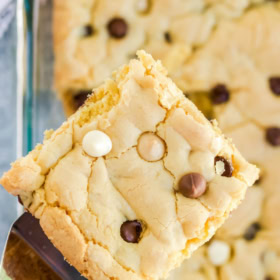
82	201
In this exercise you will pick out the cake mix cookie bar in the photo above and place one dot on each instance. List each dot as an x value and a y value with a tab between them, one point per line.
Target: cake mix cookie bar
135	180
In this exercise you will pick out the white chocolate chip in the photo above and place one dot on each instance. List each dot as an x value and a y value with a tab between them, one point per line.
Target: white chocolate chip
142	5
218	252
96	143
151	147
220	167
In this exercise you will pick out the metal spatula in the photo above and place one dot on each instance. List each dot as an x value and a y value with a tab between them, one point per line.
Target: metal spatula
27	230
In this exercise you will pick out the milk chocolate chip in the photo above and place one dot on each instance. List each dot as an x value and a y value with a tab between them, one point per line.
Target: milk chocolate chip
273	136
219	94
274	83
117	28
131	231
192	185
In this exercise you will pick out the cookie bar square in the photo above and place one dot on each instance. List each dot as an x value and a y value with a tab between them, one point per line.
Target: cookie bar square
135	181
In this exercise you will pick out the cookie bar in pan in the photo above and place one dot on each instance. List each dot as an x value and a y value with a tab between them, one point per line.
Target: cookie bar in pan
245	82
94	37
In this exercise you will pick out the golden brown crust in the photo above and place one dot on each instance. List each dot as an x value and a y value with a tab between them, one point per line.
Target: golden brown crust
25	176
64	235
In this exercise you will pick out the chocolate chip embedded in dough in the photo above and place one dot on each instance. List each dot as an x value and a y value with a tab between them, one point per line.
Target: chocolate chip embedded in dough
117	28
219	94
192	185
252	231
268	278
227	168
80	97
273	136
274	84
167	37
88	30
151	147
96	143
131	231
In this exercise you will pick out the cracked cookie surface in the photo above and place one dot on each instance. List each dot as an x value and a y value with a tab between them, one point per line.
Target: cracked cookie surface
92	38
204	44
243	53
119	216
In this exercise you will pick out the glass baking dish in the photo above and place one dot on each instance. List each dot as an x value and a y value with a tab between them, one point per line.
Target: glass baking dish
38	108
41	109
